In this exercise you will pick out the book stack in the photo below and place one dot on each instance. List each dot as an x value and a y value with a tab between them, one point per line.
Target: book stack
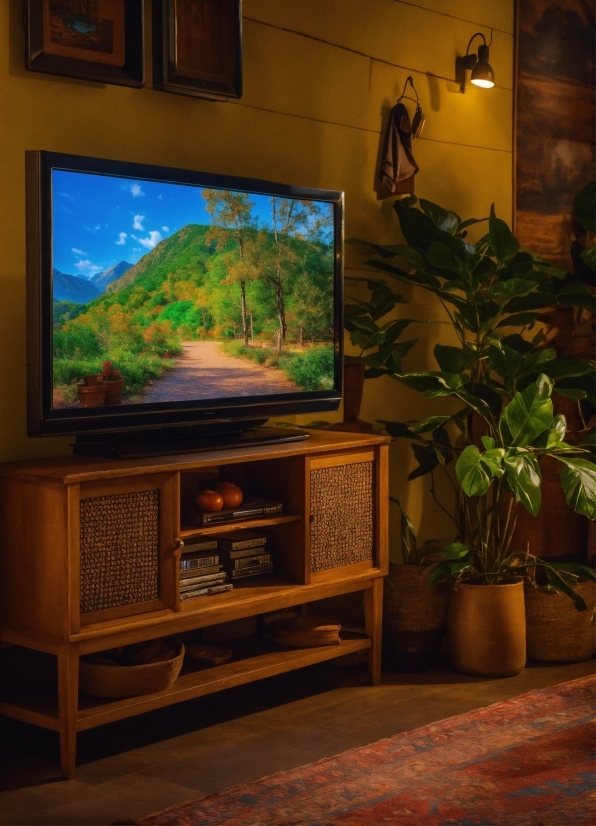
201	573
244	554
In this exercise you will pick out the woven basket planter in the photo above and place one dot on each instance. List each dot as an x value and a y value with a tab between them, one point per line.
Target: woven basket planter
100	680
556	631
92	395
414	618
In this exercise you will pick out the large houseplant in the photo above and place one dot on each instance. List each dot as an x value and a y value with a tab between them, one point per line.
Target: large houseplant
494	481
492	293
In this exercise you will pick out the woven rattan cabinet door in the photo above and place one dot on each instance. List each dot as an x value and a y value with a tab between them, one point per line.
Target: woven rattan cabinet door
126	549
341	495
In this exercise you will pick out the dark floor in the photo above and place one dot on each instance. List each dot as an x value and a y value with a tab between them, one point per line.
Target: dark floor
141	765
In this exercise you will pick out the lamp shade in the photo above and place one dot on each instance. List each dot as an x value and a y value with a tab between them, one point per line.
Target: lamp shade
482	73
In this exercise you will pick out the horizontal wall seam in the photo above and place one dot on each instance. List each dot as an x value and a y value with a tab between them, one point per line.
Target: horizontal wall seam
453	17
364	54
363	129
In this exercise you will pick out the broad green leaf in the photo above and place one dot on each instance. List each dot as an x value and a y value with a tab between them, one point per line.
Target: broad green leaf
427	460
396	328
430	380
440	256
398	430
528	414
589	439
517	343
471	473
430	423
523	477
564	367
488	442
455	550
442	218
453	359
540	359
493	460
519	320
504	291
503	360
503	242
555	434
477	404
578	478
469	221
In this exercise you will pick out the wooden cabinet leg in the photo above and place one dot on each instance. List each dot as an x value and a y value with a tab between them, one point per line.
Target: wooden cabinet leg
373	620
68	704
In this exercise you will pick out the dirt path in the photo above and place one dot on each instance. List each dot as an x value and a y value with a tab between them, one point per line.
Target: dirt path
203	371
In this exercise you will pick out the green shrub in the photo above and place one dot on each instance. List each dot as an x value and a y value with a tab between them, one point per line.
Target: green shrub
312	370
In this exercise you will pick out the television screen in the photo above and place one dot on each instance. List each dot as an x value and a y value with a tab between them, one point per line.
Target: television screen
163	291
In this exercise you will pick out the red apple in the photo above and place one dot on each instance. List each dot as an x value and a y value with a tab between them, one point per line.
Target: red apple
232	494
209	500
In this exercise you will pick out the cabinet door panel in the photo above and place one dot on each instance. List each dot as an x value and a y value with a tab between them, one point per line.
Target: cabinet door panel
126	548
342	511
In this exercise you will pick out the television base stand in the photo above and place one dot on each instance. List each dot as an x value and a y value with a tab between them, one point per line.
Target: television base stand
164	443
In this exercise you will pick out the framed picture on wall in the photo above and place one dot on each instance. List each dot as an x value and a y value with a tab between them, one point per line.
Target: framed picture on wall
197	47
100	40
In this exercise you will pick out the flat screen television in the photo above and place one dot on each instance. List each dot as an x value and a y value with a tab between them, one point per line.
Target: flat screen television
168	306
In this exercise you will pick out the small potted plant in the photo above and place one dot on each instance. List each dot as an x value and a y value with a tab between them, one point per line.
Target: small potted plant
113	382
91	391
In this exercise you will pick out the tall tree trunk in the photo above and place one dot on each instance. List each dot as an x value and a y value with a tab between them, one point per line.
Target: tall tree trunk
243	305
281	310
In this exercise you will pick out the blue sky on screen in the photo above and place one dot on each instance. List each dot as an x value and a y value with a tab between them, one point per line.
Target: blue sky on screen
99	220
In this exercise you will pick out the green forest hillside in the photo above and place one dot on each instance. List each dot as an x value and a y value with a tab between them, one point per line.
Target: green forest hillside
269	292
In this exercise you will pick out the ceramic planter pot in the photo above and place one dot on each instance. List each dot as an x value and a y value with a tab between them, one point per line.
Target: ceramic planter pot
486	629
414	618
556	631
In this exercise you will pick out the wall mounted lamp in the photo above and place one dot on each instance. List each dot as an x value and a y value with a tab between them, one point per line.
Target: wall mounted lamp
482	72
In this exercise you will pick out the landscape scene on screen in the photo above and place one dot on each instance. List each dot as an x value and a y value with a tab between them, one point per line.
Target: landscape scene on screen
168	292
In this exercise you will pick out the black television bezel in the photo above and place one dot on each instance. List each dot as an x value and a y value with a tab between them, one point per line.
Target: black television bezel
42	419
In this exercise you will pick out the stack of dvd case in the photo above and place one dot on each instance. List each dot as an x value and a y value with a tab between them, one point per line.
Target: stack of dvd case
201	573
244	554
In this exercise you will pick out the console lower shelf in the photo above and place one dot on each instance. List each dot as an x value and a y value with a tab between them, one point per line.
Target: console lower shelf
41	708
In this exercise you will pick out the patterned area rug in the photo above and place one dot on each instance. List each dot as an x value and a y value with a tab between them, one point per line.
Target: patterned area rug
524	762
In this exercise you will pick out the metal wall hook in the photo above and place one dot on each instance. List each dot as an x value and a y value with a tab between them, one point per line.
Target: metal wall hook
409	80
418	119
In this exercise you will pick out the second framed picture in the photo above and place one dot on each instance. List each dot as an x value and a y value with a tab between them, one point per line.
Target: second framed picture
100	40
197	47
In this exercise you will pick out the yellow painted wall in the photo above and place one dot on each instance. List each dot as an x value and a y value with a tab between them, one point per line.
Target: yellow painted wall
320	77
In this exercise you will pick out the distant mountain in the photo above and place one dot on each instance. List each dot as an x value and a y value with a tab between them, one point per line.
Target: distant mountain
71	288
102	279
181	251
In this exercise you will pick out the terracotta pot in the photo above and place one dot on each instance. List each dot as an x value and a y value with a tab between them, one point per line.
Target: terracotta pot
91	396
486	629
414	618
114	390
557	533
555	630
353	387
